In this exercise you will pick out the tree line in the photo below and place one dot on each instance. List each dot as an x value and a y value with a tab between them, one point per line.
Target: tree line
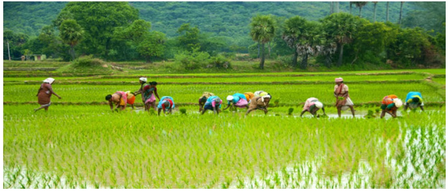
114	31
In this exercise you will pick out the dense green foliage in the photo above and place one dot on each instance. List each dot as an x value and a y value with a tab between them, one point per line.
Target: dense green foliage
341	39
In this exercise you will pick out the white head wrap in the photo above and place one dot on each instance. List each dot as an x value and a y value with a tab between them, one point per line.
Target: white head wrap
229	98
398	102
319	104
143	79
49	80
257	93
266	96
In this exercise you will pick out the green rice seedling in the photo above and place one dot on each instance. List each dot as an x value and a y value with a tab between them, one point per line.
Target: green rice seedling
183	111
290	110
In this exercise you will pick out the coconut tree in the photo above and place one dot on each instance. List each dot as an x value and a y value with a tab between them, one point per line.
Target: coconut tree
401	11
374	10
262	30
339	28
351	7
360	5
71	33
387	11
302	36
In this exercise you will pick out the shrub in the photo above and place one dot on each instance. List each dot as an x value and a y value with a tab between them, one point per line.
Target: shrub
220	62
192	60
87	61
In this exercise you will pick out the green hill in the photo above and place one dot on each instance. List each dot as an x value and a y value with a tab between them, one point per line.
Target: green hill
229	19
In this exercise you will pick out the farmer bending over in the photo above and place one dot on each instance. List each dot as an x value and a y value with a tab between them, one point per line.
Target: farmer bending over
213	103
312	105
203	99
413	100
389	105
259	103
166	104
238	100
119	98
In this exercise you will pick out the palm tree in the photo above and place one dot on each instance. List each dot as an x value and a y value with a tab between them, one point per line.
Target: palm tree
351	8
71	33
360	5
374	10
336	7
262	30
387	12
401	11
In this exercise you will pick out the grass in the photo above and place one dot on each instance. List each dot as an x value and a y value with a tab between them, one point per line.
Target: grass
87	146
287	94
117	150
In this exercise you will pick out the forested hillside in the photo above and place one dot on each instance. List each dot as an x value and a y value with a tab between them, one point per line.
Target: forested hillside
211	34
229	19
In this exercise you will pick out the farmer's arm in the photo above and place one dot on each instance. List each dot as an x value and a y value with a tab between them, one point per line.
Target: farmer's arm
421	107
303	112
159	111
52	92
111	106
157	95
323	109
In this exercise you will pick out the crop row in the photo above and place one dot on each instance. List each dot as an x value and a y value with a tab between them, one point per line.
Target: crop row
92	80
286	94
134	150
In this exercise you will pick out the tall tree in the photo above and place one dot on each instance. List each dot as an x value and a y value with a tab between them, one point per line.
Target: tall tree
99	21
153	45
8	36
351	3
374	10
188	37
340	28
401	11
302	36
262	29
387	12
360	5
71	33
336	7
331	7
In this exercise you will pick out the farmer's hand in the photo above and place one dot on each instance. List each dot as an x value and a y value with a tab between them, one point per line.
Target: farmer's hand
60	97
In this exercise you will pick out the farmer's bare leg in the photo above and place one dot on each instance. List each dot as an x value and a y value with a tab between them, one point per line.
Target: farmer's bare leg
353	110
339	110
383	112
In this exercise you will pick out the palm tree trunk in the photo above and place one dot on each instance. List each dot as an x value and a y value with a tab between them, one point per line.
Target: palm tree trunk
258	56
401	11
336	7
294	59
72	51
374	12
331	7
9	53
360	12
262	56
387	12
350	8
304	64
269	48
341	53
